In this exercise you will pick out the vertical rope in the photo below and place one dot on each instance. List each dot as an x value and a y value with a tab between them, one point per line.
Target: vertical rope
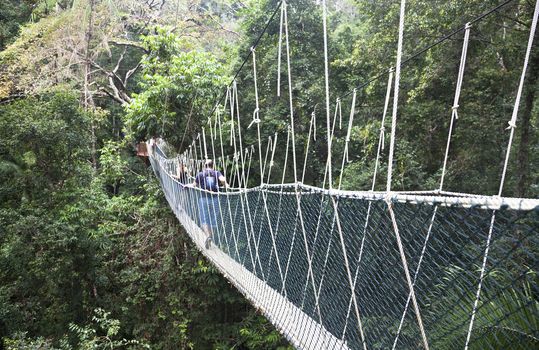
454	116
272	234
205	145
271	160
279	55
512	126
513	122
311	126
407	275
294	160
244	200
326	81
395	96
454	108
222	231
347	139
390	174
256	118
290	100
229	209
381	138
279	211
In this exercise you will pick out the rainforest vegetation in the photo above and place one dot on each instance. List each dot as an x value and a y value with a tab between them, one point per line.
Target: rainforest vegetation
91	257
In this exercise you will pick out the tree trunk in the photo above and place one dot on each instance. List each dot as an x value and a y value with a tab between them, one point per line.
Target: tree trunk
523	157
88	100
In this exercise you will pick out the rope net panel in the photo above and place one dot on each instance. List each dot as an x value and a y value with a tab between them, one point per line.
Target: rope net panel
444	240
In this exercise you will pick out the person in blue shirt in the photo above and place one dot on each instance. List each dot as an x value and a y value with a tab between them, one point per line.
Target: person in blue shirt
209	180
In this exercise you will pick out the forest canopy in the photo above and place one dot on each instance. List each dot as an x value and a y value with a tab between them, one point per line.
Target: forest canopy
90	253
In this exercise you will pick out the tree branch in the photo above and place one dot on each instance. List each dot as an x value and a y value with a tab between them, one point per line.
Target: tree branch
128	43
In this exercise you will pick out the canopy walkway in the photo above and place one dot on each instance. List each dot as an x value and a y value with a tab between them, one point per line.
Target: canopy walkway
336	269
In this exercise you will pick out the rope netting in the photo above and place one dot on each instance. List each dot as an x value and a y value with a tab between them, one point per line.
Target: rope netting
444	240
336	269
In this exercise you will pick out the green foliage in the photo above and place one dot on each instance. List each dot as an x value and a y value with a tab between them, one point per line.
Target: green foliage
178	89
113	165
259	334
74	239
43	146
12	14
509	318
103	335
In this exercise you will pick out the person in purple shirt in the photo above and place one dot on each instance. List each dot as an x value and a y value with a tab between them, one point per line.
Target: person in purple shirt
209	180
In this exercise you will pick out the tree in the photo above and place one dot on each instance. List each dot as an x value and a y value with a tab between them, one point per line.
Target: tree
178	90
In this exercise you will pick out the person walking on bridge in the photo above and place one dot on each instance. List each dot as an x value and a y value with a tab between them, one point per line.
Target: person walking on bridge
209	180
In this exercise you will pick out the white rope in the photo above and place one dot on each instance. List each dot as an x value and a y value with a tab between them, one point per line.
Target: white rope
230	98
454	108
348	272
454	116
322	203
513	122
279	55
326	81
249	151
291	105
326	171
269	147
246	227
330	177
294	160
340	113
345	157
240	138
416	274
279	210
244	200
311	125
272	234
512	126
407	275
381	138
395	97
218	112
222	226
256	117
390	174
229	208
272	157
205	145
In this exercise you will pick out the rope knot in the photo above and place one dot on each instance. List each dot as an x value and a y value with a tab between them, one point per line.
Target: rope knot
455	109
388	198
256	118
512	125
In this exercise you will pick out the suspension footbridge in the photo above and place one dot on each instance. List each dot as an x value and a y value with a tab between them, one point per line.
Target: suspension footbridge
342	269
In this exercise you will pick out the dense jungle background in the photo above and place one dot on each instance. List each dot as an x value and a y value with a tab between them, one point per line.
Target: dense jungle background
91	257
